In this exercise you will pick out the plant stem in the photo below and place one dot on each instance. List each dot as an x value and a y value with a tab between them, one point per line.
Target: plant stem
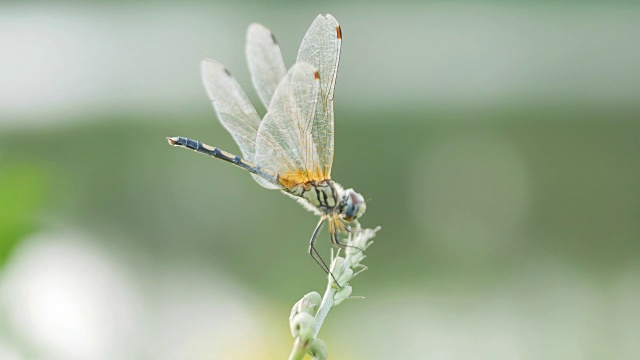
305	320
325	306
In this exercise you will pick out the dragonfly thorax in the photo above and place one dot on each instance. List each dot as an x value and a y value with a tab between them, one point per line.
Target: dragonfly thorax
326	197
320	197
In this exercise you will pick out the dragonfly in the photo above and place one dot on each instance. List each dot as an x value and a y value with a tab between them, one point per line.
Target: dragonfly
292	148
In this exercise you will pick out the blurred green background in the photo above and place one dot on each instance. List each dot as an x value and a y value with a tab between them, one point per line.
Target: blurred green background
496	144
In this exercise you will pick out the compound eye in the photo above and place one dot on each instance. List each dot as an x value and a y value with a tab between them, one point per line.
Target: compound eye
355	206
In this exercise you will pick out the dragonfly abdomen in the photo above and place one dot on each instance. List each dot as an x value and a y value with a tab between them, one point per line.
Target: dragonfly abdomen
217	153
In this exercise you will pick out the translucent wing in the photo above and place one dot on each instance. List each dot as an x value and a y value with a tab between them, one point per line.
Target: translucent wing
235	111
321	48
285	141
266	64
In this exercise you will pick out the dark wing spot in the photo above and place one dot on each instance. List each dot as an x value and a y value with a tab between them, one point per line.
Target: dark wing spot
339	32
317	75
273	38
227	72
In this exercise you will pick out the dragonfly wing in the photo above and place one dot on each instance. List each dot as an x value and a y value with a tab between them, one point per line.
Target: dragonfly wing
234	110
285	143
321	48
266	64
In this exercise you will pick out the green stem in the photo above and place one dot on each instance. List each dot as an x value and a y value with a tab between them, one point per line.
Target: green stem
298	351
305	320
325	306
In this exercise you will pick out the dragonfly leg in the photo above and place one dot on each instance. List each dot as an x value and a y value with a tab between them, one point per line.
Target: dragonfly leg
333	234
315	255
357	228
335	241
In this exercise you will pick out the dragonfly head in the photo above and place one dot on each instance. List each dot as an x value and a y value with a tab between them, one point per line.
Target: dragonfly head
352	206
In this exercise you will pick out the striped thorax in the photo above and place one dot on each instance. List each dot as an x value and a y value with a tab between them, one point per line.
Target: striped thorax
327	197
320	197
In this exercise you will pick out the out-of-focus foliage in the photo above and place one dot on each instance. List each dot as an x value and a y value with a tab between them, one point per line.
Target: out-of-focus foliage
22	191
